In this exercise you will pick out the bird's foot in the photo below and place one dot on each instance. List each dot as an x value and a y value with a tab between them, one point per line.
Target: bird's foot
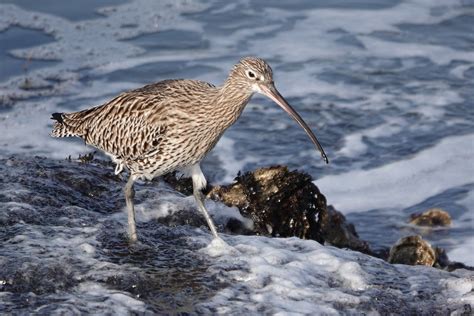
132	238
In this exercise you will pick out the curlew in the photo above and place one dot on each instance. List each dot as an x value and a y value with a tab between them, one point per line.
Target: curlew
172	125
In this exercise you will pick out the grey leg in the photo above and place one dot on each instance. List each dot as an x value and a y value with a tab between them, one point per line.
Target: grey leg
199	183
129	195
202	207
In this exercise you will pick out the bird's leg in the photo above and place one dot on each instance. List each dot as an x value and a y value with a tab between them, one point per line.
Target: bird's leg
199	183
202	207
129	195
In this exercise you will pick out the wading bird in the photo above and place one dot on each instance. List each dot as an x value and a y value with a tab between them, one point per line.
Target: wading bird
172	125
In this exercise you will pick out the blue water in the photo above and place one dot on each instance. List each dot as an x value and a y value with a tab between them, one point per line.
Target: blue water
380	82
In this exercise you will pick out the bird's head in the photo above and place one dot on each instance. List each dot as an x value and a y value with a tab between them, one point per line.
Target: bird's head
254	75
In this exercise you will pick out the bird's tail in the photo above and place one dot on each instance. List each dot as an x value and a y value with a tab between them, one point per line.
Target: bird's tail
68	124
60	128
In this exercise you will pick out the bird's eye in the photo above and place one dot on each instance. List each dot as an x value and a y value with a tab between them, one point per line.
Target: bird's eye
251	74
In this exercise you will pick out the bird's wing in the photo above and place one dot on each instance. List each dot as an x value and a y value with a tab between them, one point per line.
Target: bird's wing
135	123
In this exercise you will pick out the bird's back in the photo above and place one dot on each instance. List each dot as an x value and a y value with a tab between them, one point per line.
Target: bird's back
139	128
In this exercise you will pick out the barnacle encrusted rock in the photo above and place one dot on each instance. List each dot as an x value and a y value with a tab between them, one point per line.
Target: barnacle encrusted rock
431	217
412	250
281	203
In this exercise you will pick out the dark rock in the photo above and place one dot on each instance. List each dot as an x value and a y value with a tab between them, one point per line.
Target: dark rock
443	262
412	250
281	203
183	217
57	185
431	217
39	279
180	184
237	227
382	253
340	233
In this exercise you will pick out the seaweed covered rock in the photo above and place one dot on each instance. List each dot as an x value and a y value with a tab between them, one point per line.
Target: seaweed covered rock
431	217
280	202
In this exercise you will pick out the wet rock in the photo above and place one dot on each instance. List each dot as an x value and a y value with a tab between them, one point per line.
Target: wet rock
412	250
66	188
431	217
180	184
183	217
443	262
62	228
281	203
340	233
287	203
38	279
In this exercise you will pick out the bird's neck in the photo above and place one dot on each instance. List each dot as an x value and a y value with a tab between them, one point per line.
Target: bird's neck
230	101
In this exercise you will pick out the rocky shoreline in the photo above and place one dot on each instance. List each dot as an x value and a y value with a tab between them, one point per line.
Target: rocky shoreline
283	203
278	202
65	249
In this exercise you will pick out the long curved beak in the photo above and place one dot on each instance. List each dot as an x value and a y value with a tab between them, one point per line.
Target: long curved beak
270	91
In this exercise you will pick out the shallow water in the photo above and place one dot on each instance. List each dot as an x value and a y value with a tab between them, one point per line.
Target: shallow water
386	85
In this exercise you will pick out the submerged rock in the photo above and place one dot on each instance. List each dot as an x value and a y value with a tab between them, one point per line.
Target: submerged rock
412	250
431	217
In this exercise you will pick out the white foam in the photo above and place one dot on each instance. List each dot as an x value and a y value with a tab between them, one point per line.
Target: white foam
316	24
438	54
464	251
354	144
218	247
468	202
431	103
73	45
91	295
403	183
456	287
285	276
460	70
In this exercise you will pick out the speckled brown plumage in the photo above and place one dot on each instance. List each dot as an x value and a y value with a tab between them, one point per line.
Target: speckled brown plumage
171	124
